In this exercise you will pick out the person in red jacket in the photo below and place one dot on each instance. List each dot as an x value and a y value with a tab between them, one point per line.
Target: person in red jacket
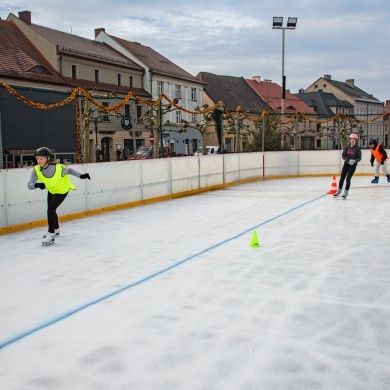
379	157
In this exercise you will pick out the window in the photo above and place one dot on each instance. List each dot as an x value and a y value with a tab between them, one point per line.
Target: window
178	91
119	79
127	109
96	75
193	94
74	72
39	70
106	118
139	111
131	80
178	116
160	87
193	118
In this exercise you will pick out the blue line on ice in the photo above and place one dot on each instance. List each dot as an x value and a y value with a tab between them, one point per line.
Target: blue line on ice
61	317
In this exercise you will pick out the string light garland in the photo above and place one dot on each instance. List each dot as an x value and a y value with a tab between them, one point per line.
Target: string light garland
79	91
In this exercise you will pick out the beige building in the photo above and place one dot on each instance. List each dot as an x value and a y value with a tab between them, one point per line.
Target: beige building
106	74
366	108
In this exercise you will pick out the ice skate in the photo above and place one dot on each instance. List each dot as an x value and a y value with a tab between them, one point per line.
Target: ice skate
335	195
56	232
376	180
388	178
345	194
48	239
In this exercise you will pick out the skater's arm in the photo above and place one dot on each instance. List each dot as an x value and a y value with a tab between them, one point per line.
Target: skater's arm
358	155
383	153
71	171
33	179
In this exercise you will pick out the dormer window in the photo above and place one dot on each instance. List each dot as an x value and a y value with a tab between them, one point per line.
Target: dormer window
39	70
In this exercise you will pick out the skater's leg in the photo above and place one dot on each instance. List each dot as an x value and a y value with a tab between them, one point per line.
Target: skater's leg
384	169
343	174
54	201
351	171
377	166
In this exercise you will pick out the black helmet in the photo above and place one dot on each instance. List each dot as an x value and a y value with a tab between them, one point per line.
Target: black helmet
373	141
43	152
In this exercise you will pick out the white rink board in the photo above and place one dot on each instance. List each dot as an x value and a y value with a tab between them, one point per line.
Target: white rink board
251	166
211	170
185	174
123	182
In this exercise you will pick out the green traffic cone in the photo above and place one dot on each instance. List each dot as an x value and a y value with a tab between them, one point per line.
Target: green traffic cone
255	242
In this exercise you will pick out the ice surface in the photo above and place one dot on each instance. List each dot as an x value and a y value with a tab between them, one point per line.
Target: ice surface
172	296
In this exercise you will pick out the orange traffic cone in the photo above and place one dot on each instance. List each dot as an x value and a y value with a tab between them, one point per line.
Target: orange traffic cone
333	187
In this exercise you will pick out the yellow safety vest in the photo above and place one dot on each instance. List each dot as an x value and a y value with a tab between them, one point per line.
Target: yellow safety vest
57	184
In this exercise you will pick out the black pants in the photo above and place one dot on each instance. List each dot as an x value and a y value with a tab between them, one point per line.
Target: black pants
347	173
53	201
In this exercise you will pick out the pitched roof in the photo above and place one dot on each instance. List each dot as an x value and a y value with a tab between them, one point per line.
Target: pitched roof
233	92
321	102
352	90
348	88
157	63
85	48
20	59
271	93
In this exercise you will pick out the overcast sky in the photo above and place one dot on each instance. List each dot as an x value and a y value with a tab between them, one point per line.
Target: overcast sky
346	39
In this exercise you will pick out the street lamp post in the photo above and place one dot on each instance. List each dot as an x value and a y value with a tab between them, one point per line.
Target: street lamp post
278	25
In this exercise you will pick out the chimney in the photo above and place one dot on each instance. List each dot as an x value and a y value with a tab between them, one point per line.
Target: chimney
256	78
99	30
25	16
350	83
327	77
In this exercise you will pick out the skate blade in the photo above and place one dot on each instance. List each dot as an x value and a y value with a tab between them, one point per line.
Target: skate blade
47	243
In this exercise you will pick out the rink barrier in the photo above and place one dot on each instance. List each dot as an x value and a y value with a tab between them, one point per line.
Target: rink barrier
125	184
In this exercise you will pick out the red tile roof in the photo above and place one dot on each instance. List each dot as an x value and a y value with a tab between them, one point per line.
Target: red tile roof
82	47
154	61
20	59
271	93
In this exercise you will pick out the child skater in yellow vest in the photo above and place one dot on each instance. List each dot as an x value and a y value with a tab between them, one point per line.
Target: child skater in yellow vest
54	177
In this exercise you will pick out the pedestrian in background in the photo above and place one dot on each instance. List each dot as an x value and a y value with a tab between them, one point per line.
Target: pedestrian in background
126	153
55	177
351	155
378	159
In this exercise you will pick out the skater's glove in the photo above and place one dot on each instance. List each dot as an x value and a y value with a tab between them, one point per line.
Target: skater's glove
40	185
372	164
85	176
352	162
382	162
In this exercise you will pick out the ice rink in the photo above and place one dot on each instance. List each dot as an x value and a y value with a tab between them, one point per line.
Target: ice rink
172	296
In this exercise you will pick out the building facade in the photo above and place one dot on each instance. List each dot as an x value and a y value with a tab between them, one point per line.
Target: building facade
366	108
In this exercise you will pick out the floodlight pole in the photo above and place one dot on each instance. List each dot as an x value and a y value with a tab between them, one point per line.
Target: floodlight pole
278	25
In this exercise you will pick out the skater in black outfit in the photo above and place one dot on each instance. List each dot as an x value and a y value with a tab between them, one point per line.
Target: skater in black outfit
351	155
54	177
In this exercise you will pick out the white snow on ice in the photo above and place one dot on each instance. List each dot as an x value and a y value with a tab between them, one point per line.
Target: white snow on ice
172	296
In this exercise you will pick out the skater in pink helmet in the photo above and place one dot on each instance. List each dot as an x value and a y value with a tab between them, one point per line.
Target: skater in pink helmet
55	177
351	155
378	157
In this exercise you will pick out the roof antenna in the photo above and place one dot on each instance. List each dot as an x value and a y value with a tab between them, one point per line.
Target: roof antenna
71	30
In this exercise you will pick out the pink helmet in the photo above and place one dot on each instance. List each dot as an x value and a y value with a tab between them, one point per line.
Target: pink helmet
354	136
